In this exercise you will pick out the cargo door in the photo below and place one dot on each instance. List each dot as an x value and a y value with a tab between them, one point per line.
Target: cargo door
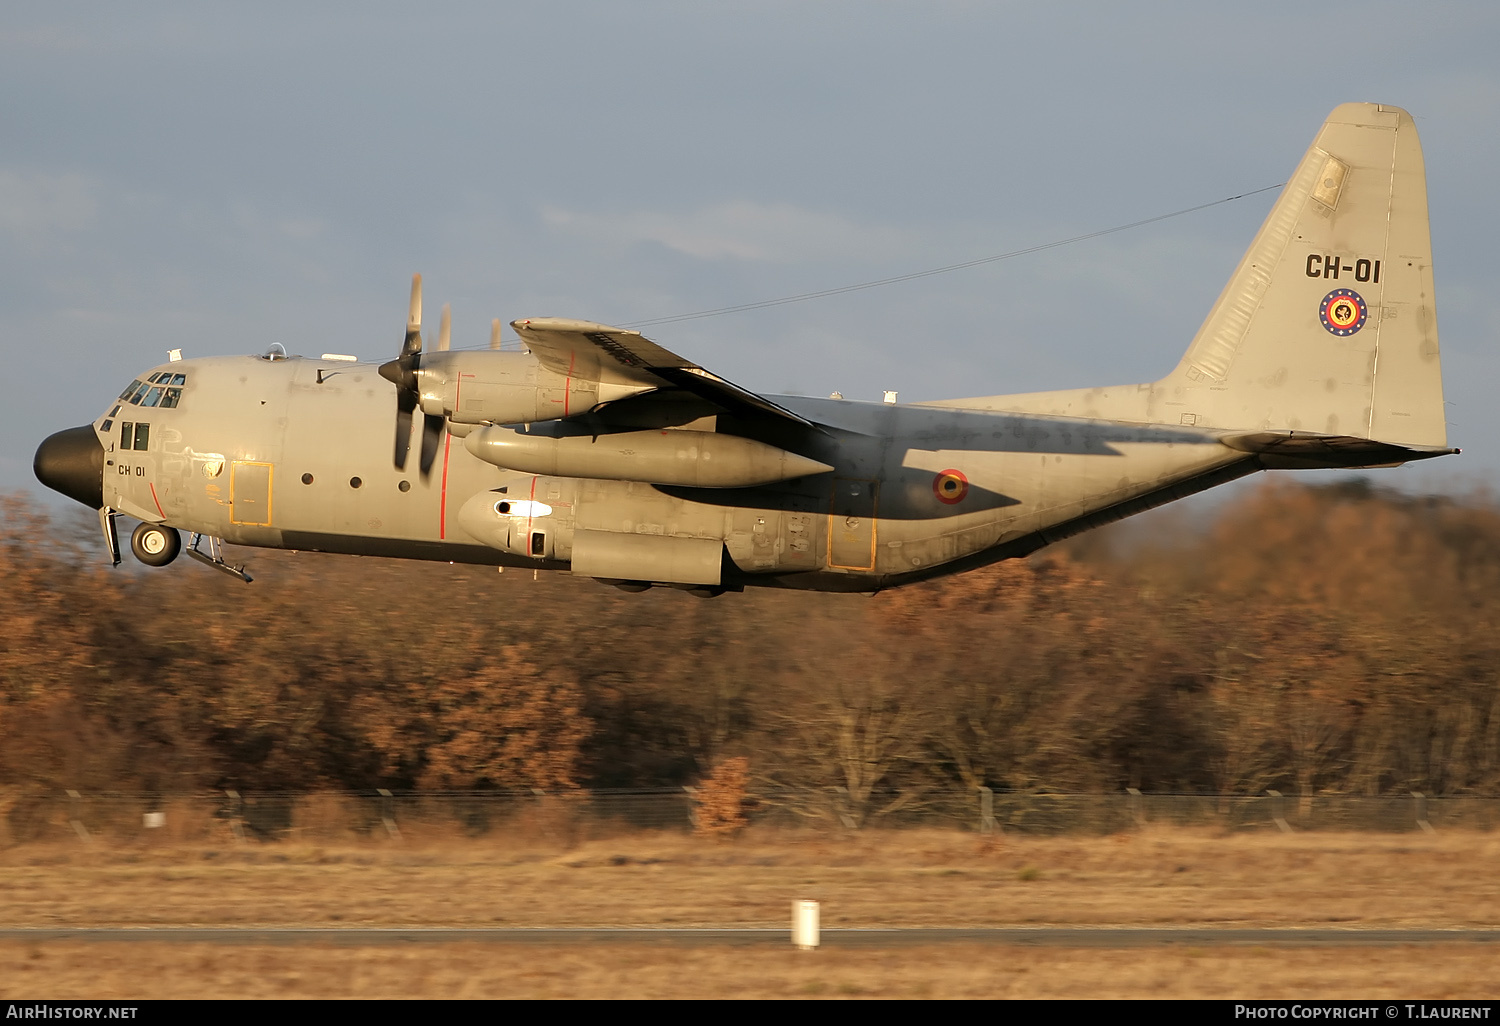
851	524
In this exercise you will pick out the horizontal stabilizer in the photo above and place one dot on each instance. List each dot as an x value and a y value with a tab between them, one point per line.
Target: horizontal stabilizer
1308	449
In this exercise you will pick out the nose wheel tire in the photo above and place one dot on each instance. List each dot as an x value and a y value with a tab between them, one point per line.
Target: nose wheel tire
155	545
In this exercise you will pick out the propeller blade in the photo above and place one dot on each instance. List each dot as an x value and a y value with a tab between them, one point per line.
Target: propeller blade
402	372
495	333
413	343
406	402
444	325
432	433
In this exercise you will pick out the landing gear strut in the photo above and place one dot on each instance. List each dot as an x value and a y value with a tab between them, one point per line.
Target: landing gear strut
214	557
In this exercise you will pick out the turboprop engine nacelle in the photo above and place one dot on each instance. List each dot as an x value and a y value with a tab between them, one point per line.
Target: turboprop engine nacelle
699	459
506	388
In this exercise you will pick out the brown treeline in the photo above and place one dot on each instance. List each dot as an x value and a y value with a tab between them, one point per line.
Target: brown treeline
1314	639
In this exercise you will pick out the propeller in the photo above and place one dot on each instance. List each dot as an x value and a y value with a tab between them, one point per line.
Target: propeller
402	372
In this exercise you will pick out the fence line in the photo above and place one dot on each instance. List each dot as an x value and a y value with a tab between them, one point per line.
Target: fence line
333	815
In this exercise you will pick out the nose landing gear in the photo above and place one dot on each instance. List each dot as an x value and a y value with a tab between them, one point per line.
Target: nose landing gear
155	545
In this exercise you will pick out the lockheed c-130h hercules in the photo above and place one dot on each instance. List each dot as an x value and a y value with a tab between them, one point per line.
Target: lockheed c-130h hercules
600	452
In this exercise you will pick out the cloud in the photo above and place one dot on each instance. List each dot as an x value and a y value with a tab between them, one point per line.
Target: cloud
255	222
738	230
33	204
51	39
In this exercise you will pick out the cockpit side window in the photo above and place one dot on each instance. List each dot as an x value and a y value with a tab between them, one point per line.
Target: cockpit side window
130	389
135	436
170	396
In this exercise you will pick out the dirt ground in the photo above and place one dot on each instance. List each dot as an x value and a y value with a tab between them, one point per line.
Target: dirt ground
74	969
869	879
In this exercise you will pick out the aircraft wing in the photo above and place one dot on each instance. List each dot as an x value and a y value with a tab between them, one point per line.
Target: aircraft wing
584	349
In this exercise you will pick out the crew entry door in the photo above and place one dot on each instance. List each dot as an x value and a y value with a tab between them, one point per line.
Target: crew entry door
851	524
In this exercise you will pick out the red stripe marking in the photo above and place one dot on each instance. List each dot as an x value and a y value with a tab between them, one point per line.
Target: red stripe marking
568	384
458	393
156	500
530	512
443	500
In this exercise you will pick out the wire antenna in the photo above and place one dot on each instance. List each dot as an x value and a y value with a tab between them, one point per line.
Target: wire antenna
945	269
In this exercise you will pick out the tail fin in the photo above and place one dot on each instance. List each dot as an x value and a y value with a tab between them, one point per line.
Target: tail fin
1329	323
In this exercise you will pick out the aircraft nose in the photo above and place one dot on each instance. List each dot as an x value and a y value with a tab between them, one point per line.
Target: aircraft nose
72	462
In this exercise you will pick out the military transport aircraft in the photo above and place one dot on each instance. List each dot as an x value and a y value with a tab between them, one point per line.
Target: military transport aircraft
600	452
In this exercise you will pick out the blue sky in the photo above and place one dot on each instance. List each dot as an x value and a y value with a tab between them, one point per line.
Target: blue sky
217	177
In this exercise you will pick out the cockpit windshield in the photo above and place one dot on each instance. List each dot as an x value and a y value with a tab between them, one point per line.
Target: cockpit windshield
163	389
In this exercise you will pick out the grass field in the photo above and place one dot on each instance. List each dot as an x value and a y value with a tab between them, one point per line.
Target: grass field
868	879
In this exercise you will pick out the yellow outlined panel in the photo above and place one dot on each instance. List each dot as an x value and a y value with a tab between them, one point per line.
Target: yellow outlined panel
250	493
851	523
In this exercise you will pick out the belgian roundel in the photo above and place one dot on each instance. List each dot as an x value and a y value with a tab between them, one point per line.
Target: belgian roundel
1343	312
950	487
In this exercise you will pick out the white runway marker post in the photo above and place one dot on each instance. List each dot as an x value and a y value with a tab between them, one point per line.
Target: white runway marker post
805	925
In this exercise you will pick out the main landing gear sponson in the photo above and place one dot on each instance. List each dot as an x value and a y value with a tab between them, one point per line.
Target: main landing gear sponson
155	545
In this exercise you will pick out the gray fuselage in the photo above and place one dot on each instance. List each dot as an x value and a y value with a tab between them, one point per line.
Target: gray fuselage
295	454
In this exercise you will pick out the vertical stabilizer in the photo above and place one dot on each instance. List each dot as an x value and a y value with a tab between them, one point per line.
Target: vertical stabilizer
1329	323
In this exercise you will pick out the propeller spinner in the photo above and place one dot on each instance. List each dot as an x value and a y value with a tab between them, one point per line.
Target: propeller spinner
402	372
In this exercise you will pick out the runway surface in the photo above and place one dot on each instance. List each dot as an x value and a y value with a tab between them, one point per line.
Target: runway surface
1070	937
